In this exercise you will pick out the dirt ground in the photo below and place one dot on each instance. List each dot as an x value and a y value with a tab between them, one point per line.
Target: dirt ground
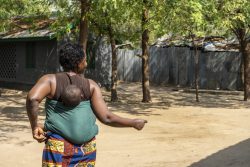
179	132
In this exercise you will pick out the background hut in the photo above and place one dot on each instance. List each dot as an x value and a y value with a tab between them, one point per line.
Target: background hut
25	56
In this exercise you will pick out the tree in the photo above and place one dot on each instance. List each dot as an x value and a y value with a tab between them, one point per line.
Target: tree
234	16
112	14
120	21
145	52
72	17
188	19
150	14
85	7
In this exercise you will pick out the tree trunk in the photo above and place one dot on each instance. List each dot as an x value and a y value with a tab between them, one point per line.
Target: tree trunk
241	73
245	57
196	68
145	54
196	74
114	65
247	70
85	5
241	35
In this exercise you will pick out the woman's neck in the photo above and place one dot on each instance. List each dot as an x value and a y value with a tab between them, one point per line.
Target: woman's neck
71	73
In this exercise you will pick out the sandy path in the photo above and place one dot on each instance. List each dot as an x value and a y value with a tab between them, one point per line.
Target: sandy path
180	132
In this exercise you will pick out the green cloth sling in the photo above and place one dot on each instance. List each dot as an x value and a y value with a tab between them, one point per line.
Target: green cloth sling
77	125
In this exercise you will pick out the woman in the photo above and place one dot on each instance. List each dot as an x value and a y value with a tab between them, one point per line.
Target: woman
70	131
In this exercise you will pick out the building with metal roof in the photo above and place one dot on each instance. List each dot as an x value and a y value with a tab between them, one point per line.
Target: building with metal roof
26	55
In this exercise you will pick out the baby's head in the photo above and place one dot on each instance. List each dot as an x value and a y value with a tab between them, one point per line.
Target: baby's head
71	96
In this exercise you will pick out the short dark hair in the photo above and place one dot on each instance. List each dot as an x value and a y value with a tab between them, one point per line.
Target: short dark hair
70	55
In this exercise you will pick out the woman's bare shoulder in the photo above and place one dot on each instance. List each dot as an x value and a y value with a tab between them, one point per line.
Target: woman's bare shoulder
92	82
93	86
48	78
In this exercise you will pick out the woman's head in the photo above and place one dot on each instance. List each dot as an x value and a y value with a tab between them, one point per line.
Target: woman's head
72	58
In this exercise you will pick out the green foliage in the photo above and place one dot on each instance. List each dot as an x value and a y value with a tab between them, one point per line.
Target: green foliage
154	24
125	18
200	17
67	14
187	17
225	15
115	14
233	14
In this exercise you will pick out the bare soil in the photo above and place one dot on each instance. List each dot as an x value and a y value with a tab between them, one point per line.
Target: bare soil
180	132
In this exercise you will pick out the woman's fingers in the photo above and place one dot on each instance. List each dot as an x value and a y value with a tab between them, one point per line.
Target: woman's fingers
139	124
39	135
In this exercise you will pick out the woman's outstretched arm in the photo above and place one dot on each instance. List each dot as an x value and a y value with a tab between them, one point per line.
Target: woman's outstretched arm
105	116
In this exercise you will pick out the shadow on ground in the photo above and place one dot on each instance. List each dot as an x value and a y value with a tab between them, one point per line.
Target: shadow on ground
14	114
130	96
138	108
233	156
13	119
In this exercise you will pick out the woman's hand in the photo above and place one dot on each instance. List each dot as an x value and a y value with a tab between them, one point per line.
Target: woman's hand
38	134
139	123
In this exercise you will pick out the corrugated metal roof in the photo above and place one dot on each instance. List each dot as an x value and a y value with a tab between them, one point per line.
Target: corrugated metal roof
29	34
210	43
21	29
43	34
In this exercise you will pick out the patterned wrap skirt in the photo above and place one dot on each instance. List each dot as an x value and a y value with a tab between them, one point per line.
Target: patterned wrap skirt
58	152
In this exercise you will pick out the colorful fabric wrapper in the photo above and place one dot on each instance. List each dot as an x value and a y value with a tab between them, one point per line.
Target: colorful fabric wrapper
58	152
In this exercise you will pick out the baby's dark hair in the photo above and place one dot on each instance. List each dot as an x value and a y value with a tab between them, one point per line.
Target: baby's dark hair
70	55
71	96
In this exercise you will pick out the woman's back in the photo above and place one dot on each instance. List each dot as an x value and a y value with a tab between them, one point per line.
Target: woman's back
76	124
